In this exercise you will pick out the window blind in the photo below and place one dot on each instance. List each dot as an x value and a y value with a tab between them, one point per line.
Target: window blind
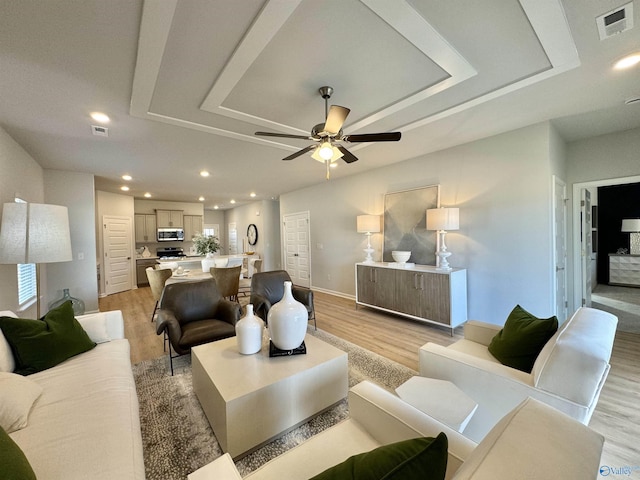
27	287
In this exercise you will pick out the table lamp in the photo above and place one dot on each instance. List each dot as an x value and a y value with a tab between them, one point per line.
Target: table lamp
441	220
368	224
632	226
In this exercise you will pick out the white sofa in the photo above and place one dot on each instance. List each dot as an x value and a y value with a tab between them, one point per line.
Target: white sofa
568	374
533	441
85	424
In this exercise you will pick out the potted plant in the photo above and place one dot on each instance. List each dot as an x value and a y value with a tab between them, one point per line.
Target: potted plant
205	245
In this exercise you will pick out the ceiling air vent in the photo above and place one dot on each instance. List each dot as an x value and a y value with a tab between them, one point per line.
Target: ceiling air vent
616	21
100	131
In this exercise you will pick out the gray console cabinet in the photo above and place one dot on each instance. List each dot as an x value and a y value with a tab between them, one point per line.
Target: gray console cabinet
422	293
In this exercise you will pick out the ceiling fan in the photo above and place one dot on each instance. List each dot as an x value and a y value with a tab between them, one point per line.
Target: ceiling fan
329	136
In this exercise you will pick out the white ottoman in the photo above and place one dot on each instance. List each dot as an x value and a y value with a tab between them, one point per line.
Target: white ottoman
439	399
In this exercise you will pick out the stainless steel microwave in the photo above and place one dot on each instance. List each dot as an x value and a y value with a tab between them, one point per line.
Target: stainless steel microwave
170	234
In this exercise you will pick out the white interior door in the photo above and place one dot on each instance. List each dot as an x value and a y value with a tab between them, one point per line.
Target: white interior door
117	243
560	247
585	245
297	248
232	238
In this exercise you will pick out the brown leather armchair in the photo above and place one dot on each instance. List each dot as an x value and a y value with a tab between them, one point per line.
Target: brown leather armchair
193	313
267	289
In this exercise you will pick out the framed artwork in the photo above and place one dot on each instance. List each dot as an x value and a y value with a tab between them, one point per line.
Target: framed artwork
405	224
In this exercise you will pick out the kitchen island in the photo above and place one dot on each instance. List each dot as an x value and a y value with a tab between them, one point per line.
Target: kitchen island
194	263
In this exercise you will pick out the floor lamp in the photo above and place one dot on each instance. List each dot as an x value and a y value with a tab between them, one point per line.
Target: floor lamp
34	233
441	220
368	224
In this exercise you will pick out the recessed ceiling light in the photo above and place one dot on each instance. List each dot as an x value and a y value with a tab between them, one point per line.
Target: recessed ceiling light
252	194
126	177
100	117
124	188
232	201
201	199
627	62
204	173
147	195
216	207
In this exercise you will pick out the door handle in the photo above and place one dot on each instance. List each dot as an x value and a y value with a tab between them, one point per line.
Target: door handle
295	255
128	258
558	269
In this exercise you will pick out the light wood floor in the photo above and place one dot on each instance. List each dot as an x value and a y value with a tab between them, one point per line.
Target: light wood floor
617	415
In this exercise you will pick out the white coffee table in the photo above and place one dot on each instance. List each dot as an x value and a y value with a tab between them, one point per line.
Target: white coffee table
251	399
439	399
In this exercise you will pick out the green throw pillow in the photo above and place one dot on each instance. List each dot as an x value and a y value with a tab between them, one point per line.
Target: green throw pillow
519	342
420	458
13	464
41	344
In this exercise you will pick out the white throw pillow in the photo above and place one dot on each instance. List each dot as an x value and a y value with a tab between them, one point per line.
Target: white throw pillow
7	362
96	327
17	396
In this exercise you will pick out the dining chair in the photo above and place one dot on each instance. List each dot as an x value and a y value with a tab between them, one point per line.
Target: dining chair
245	283
228	280
157	279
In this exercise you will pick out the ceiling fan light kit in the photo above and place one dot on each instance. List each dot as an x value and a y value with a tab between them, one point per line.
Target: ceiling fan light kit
328	135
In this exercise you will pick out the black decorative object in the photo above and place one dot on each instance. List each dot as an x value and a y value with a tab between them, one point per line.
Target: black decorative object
276	352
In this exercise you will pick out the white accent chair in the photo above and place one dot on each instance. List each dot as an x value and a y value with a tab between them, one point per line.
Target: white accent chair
534	441
568	374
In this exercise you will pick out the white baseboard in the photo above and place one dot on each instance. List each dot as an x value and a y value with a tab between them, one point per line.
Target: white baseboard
333	292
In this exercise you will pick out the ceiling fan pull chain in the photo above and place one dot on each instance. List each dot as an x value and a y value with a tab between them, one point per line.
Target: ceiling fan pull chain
328	164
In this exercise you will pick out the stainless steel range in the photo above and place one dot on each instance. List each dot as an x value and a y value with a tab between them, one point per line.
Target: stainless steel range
170	252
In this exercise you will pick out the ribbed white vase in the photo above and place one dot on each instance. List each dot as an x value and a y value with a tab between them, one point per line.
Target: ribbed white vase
249	332
287	321
208	262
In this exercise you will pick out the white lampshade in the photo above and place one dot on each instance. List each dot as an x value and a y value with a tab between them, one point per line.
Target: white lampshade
631	225
34	233
368	223
443	219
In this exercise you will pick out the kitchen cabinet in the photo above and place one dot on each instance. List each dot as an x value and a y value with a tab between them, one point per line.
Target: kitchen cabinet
169	218
192	225
145	228
421	293
141	267
624	270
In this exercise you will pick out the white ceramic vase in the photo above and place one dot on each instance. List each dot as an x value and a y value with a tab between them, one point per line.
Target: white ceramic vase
249	332
208	262
287	321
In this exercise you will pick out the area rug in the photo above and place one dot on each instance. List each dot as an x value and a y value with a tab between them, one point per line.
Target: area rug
176	435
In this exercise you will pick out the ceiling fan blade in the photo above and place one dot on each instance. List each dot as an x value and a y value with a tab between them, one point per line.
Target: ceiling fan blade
335	119
373	137
347	156
283	135
300	152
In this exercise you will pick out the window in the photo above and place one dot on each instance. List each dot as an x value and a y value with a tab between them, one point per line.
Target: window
27	288
27	285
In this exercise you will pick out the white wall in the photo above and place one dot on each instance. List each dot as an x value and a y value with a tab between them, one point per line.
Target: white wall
264	215
116	205
76	192
216	217
502	186
606	156
20	176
